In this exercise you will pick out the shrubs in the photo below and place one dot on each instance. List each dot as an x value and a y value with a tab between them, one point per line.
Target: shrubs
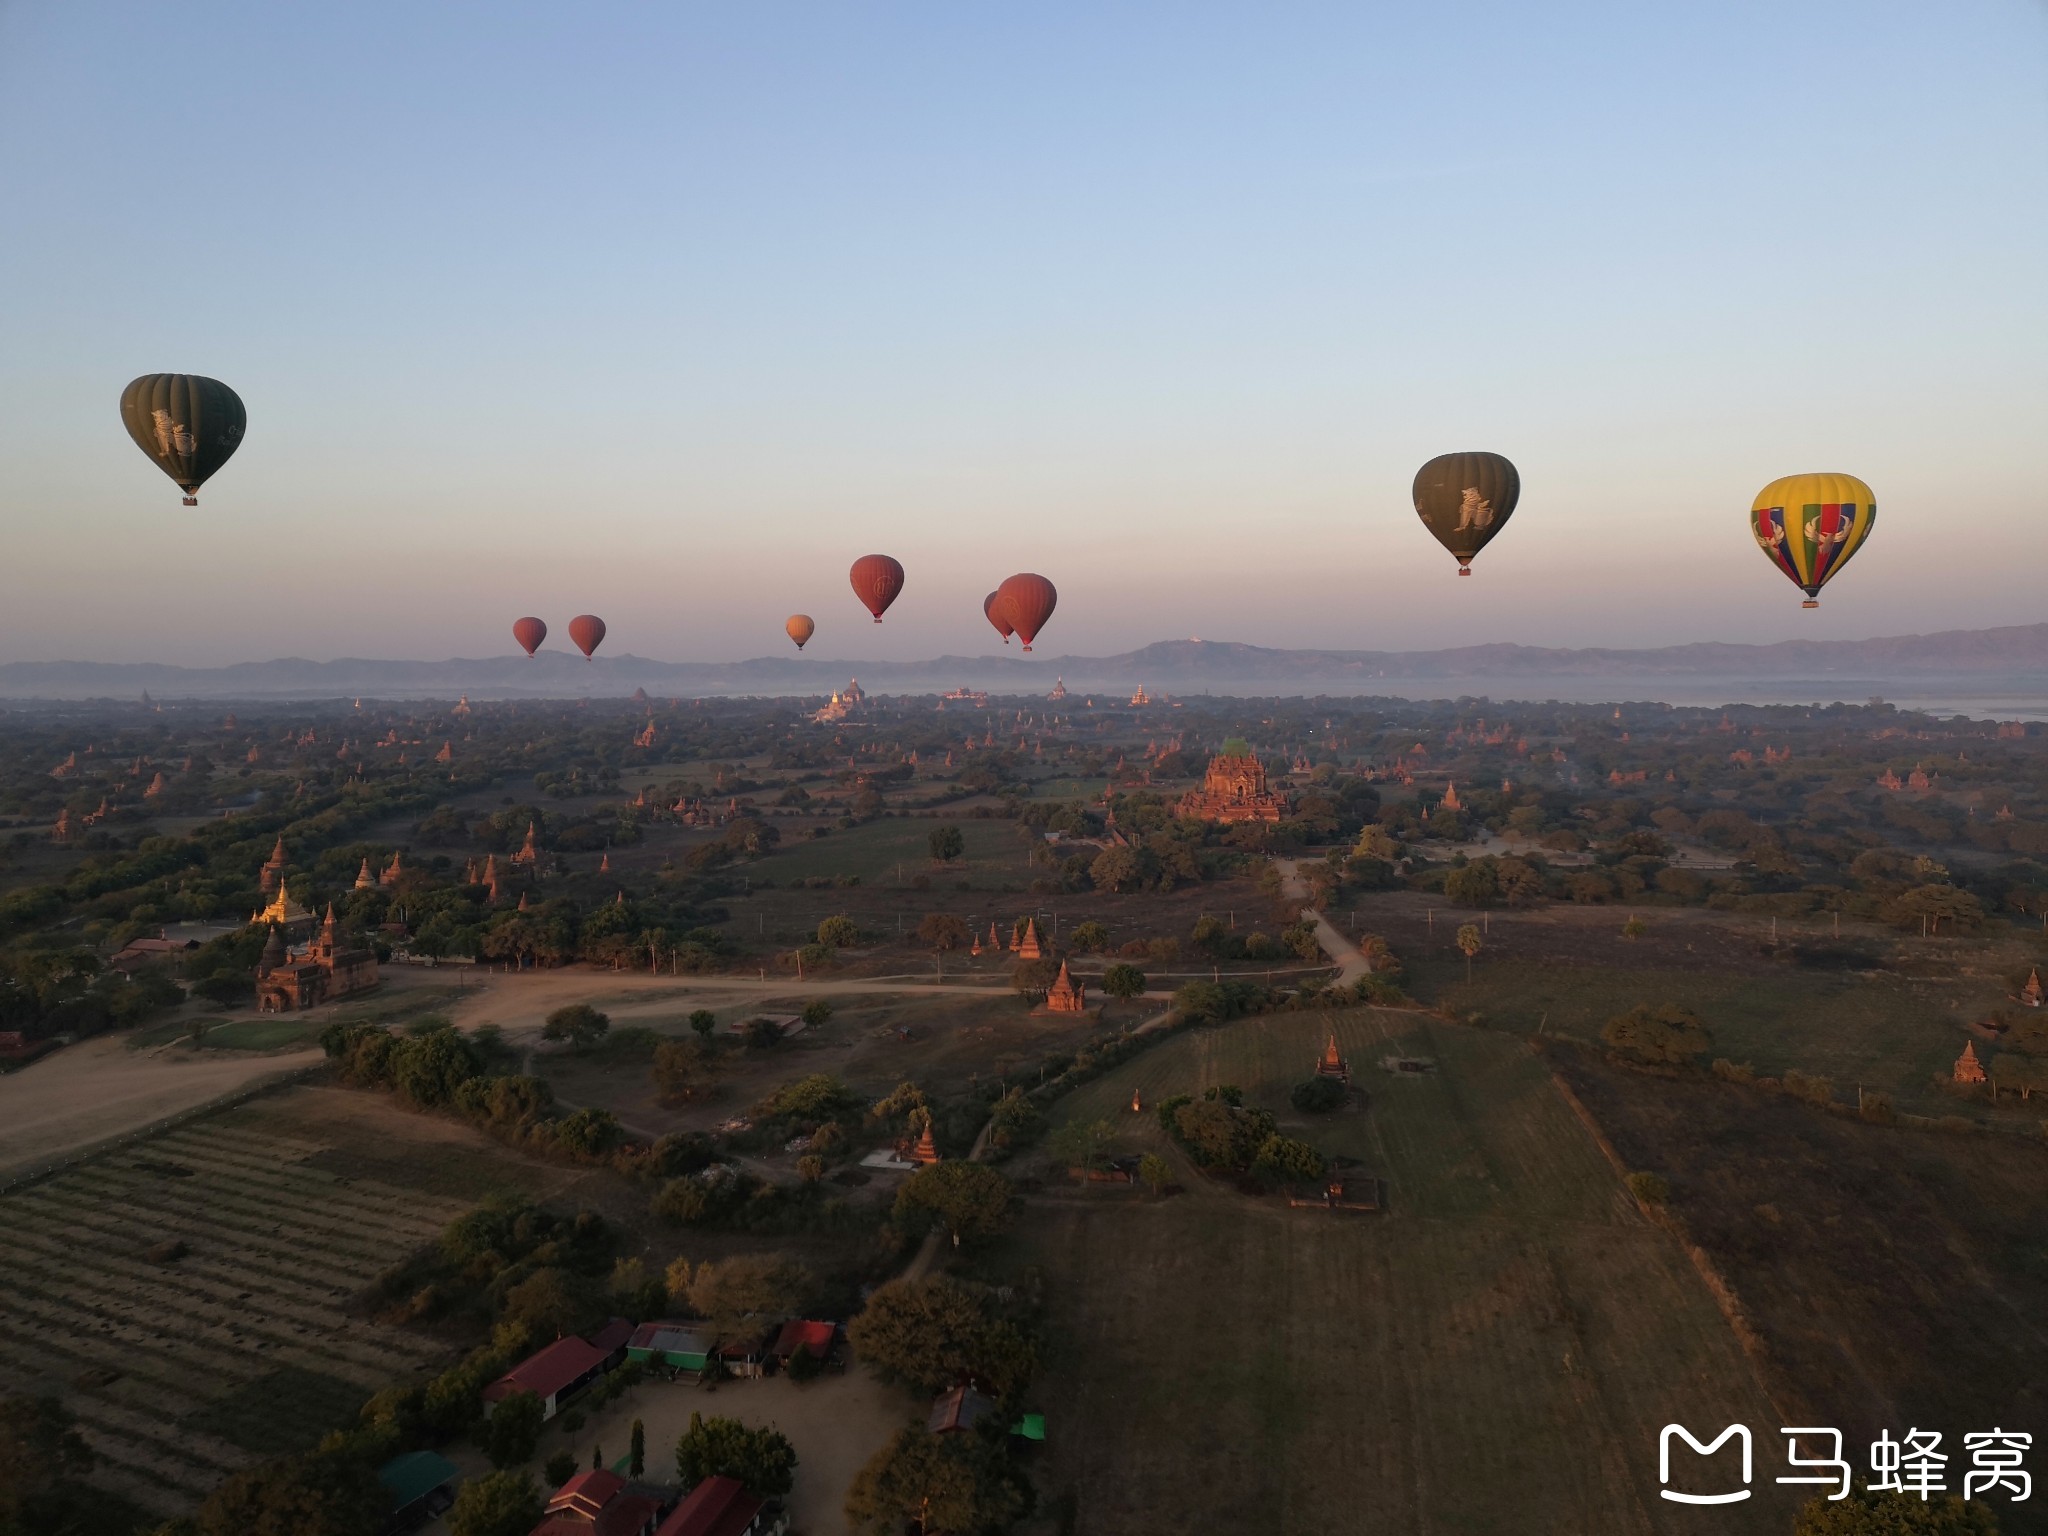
1650	1188
1669	1034
762	1459
1319	1095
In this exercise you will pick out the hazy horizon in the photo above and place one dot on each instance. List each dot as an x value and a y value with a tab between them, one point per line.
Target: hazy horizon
669	315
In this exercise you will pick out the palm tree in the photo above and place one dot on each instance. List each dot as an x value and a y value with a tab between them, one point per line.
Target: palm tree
1470	942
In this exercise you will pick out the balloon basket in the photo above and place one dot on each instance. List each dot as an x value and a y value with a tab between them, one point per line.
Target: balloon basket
191	501
1811	602
1464	570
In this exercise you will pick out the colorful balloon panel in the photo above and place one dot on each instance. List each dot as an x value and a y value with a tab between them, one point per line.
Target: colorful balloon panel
1810	526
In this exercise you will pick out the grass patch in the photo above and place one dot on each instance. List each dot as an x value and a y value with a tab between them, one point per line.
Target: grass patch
281	1411
875	850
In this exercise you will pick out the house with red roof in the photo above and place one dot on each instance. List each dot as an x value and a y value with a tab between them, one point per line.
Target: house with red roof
813	1338
598	1503
563	1368
721	1506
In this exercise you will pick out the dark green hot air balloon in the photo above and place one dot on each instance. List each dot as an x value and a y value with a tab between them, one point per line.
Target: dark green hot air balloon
189	426
1465	499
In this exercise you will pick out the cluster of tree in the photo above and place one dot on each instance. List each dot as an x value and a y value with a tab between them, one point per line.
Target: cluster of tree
1669	1034
1221	1132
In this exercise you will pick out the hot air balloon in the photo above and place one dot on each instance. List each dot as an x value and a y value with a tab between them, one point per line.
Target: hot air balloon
1810	525
993	612
189	426
876	581
529	633
1465	499
800	628
1027	602
587	630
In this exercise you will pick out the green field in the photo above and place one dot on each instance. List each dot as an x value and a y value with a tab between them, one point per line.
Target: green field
1495	1353
874	850
182	1370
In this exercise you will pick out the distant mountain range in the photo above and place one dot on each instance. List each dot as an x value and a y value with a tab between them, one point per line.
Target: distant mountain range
2007	661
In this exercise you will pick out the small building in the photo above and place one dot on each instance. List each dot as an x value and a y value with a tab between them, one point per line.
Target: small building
925	1151
1028	947
1332	1064
1066	995
721	1506
599	1503
138	953
958	1408
812	1338
1341	1194
675	1346
563	1368
421	1485
2032	993
1968	1068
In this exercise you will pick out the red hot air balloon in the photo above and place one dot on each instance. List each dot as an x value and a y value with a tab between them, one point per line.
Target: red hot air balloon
529	633
992	611
876	581
587	630
1027	602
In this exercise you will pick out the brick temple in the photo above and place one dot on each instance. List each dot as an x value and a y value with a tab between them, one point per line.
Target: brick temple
322	972
1234	789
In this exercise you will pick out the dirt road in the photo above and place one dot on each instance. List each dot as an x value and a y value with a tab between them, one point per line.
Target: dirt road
101	1089
1350	963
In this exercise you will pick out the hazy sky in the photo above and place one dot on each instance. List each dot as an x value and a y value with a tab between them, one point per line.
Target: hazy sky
669	311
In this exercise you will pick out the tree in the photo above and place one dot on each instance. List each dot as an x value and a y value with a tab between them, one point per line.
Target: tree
315	1495
1123	982
678	1070
1476	885
947	843
548	1303
1089	938
1634	928
512	1432
589	1132
970	1200
942	930
839	933
810	1167
40	1452
502	1504
560	1468
817	1012
1319	1095
1935	905
1155	1171
1117	868
579	1024
749	1287
940	1482
1670	1033
1286	1160
763	1459
929	1332
636	1455
1469	943
703	1021
1891	1514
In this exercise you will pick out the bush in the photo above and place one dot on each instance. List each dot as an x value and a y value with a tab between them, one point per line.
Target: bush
1669	1034
1319	1095
560	1468
838	933
1650	1188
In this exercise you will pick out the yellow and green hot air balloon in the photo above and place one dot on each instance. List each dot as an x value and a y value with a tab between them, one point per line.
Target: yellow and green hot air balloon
1810	525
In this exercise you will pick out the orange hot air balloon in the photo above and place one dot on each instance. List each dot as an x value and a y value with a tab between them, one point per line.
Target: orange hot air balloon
529	633
993	612
1027	602
876	581
800	628
587	630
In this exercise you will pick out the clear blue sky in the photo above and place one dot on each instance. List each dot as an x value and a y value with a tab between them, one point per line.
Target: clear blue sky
669	311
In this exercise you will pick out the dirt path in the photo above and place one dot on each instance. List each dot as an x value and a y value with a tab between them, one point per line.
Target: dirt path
1350	963
101	1089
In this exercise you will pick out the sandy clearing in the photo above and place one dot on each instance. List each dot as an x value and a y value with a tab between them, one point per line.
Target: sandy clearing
101	1089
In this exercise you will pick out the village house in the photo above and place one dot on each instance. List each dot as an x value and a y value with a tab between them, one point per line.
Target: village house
597	1502
721	1506
561	1370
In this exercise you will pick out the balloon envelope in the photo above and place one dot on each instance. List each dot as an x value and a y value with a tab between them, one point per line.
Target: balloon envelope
993	612
1027	601
800	628
188	425
876	581
529	633
1464	499
1810	526
587	630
